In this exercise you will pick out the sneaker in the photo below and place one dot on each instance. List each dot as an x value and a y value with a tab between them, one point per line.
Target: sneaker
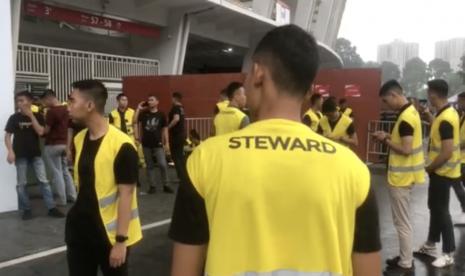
460	220
27	215
55	213
398	270
167	190
152	190
393	261
443	261
427	250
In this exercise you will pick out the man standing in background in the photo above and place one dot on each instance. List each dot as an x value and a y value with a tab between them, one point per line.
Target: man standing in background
26	128
231	118
122	117
55	150
177	133
313	116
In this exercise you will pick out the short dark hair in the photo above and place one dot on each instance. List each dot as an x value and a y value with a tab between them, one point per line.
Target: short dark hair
462	95
388	86
329	105
342	101
177	96
95	90
291	54
439	87
232	88
25	94
120	95
152	96
315	97
48	93
223	93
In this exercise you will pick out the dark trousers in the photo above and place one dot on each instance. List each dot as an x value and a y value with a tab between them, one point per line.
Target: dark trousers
459	189
85	260
177	154
440	219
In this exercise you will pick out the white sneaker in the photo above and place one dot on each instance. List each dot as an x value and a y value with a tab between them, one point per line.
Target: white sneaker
460	220
427	250
443	261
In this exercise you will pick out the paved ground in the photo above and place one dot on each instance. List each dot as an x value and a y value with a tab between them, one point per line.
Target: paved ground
152	257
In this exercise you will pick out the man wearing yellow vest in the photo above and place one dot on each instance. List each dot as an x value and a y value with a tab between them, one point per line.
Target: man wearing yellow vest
223	102
104	221
337	126
345	109
122	117
459	186
444	170
406	168
313	116
241	210
231	118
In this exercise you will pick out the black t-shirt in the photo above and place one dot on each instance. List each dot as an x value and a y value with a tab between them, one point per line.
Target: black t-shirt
26	141
84	224
190	221
446	130
152	128
177	132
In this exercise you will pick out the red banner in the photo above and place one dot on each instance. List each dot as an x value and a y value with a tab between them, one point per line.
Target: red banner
352	90
38	9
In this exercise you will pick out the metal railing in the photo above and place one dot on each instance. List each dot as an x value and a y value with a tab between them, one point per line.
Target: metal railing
64	66
377	151
202	125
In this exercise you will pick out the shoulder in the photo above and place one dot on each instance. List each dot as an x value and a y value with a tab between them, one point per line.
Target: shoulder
347	119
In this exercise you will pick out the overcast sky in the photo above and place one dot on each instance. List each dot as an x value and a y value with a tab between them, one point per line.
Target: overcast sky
368	23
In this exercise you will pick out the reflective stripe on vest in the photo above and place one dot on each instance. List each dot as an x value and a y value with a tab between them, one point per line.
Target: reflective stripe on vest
113	224
287	273
315	119
339	130
407	169
109	200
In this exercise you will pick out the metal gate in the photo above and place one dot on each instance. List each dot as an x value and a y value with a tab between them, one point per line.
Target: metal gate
60	67
202	125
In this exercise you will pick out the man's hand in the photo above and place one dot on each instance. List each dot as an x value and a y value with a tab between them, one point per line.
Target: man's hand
118	255
69	155
28	112
11	158
167	148
380	135
142	105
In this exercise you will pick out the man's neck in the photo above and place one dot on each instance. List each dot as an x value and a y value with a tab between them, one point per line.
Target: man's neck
315	108
153	109
284	108
440	105
97	125
122	109
336	117
402	103
233	104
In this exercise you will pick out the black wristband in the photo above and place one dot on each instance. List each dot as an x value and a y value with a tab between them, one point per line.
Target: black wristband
121	239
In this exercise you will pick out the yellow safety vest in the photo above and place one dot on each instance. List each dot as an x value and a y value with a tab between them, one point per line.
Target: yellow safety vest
407	170
105	183
228	120
222	105
451	168
315	118
128	118
256	221
462	138
339	131
35	108
347	111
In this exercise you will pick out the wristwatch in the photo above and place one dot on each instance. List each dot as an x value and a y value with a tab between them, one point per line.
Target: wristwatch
121	238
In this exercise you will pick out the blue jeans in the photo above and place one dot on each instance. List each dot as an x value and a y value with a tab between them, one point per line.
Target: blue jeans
39	169
159	154
55	157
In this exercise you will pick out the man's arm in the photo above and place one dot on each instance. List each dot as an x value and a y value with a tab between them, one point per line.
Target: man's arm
366	257
126	174
38	126
136	124
11	158
352	139
446	131
111	121
405	148
188	260
175	121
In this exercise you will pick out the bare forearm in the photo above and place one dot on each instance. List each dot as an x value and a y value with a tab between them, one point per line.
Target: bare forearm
399	149
440	160
165	136
40	130
173	122
366	264
124	209
352	141
8	143
188	260
69	141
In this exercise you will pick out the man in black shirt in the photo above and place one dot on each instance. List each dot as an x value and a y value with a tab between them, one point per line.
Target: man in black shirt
177	132
106	160
26	128
152	133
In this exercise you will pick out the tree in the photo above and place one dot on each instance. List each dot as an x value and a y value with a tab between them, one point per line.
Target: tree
389	71
462	69
348	53
439	68
415	77
455	83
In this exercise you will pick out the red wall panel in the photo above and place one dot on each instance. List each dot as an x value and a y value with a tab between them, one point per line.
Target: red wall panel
201	93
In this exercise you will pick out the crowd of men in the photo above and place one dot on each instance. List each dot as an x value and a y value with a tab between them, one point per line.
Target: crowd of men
283	195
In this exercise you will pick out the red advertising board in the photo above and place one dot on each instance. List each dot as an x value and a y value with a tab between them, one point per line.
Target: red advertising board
322	89
33	8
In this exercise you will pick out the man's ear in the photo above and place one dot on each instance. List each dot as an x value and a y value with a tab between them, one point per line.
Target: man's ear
258	73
